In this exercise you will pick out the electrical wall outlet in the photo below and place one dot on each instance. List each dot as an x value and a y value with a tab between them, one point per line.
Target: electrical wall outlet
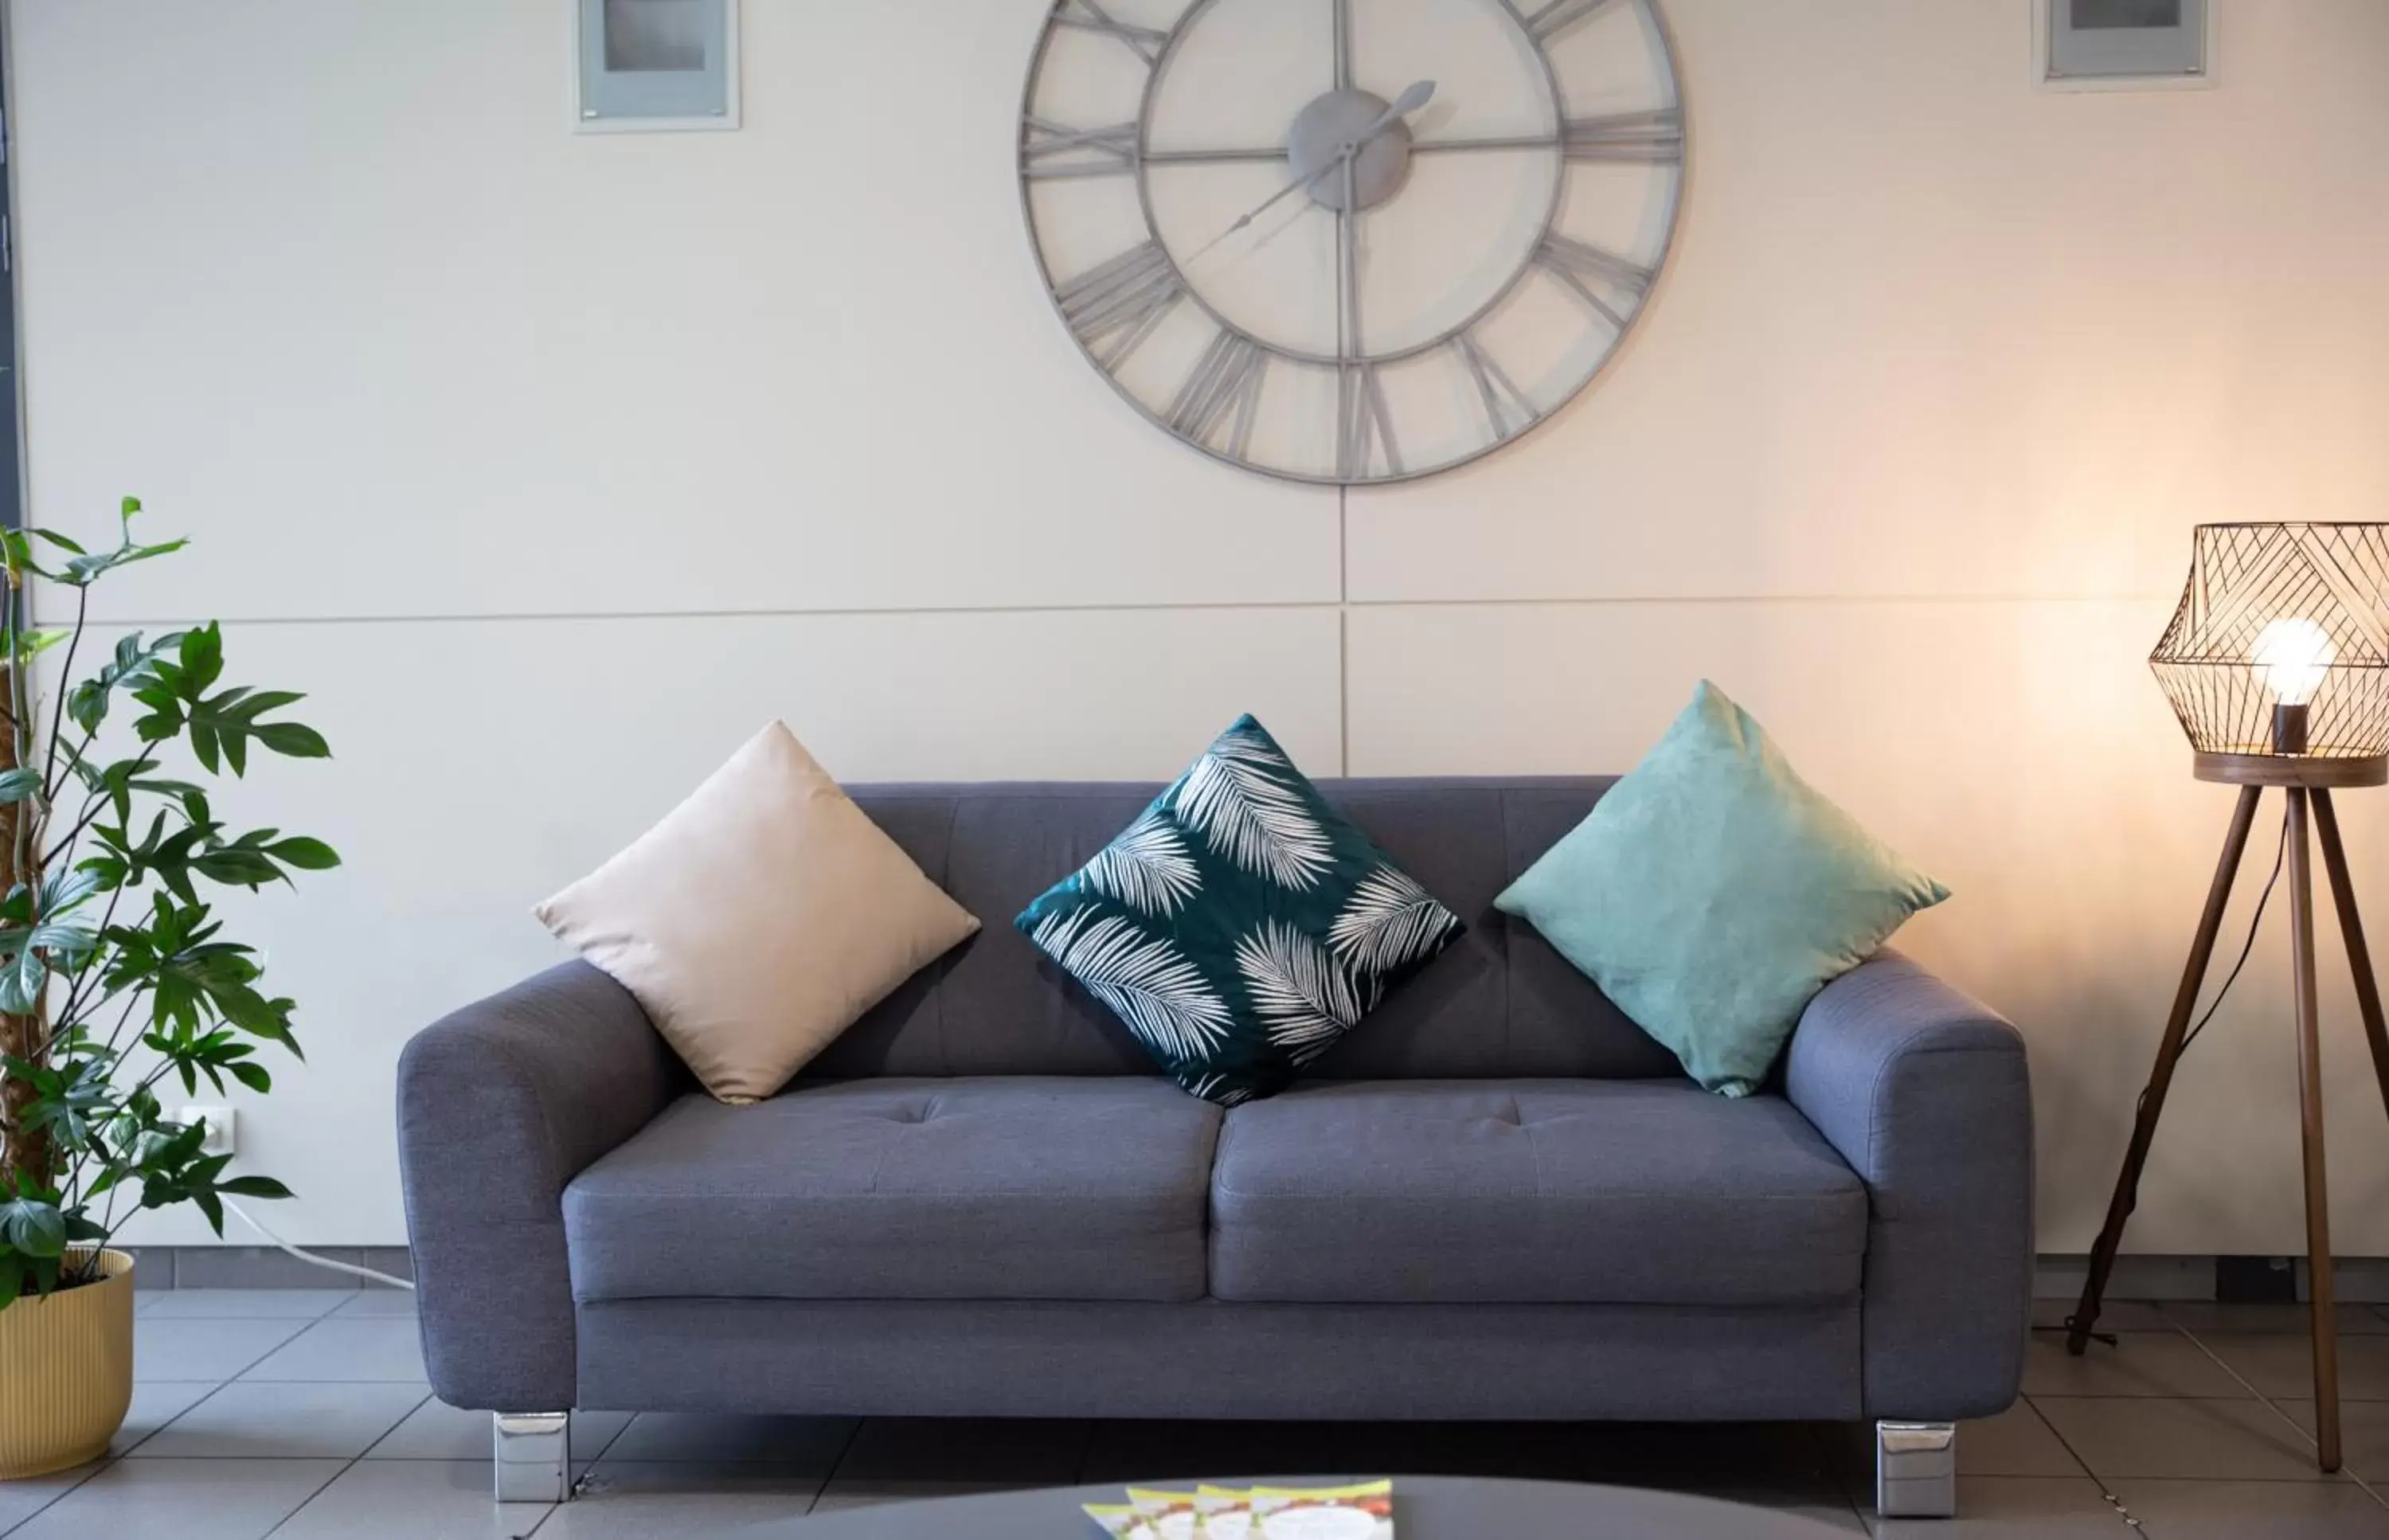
223	1127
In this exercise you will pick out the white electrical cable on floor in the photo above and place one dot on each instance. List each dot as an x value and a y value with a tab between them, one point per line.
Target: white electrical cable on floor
311	1257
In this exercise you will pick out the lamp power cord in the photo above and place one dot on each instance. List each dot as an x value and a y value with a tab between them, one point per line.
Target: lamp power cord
310	1258
2255	923
2280	852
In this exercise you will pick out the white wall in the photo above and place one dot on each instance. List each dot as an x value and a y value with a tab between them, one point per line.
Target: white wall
552	464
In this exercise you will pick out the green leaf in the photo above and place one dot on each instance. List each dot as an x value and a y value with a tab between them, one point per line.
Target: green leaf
307	855
33	1227
236	868
201	656
46	1080
293	741
64	890
87	702
66	935
33	643
83	570
17	554
69	547
182	1146
18	784
22	977
253	1187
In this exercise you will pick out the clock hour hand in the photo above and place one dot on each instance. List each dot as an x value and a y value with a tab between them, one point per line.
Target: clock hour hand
1417	95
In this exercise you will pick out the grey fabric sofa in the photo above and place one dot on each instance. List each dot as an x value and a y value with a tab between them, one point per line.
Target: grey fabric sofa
1497	1200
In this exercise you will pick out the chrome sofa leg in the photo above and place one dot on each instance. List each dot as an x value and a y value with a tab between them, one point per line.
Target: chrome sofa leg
534	1455
1916	1470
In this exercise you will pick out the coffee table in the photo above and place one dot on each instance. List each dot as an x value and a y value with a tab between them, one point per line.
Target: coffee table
1426	1507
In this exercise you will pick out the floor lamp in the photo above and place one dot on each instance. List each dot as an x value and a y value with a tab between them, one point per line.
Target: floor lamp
2277	662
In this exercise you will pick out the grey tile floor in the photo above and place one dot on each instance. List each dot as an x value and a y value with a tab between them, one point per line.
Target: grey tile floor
303	1414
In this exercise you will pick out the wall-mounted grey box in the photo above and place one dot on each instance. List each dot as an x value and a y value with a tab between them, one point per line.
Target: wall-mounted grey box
2123	43
649	66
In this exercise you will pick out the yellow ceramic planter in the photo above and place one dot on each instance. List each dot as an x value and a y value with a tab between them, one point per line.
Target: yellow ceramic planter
65	1372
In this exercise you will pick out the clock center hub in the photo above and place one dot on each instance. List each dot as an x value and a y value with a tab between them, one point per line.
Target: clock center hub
1315	146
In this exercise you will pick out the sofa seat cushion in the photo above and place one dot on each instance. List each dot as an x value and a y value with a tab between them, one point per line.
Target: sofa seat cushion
1026	1188
1593	1192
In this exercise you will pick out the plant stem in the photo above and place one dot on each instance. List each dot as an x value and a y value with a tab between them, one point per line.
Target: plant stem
27	1156
66	683
132	999
91	809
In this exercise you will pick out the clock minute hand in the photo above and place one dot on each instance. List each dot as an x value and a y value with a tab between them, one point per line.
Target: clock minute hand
1415	95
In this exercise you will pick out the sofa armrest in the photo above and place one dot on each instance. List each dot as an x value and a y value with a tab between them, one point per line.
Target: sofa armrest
1923	1091
499	1105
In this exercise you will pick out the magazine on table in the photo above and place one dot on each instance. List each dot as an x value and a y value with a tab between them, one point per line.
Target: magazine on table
1363	1510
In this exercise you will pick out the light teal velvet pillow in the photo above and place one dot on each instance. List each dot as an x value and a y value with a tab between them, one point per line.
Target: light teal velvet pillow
1712	892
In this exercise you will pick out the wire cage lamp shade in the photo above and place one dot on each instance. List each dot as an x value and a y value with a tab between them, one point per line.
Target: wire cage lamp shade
2280	643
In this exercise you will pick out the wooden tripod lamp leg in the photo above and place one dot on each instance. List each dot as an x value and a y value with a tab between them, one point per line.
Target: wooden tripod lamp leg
2322	1313
2351	930
2144	1126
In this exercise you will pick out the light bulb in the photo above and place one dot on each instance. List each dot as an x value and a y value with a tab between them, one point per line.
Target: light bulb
2293	655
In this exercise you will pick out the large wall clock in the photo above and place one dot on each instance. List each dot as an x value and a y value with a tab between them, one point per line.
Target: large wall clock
1350	241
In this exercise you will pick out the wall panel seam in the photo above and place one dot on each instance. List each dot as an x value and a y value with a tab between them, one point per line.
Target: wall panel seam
1658	601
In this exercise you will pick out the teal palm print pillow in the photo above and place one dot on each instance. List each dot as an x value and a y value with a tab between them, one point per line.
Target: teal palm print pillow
1240	925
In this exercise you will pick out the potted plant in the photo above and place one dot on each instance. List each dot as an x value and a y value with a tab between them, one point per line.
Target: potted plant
115	977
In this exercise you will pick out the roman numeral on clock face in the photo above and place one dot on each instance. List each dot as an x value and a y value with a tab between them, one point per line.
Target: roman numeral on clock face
1507	411
1558	15
1580	266
1655	137
1116	305
1365	426
1224	390
1090	16
1049	150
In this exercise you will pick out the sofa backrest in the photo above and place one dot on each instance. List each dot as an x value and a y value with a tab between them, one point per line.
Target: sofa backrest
1500	1002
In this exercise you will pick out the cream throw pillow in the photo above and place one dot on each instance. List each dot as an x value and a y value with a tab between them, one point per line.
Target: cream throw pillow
759	919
